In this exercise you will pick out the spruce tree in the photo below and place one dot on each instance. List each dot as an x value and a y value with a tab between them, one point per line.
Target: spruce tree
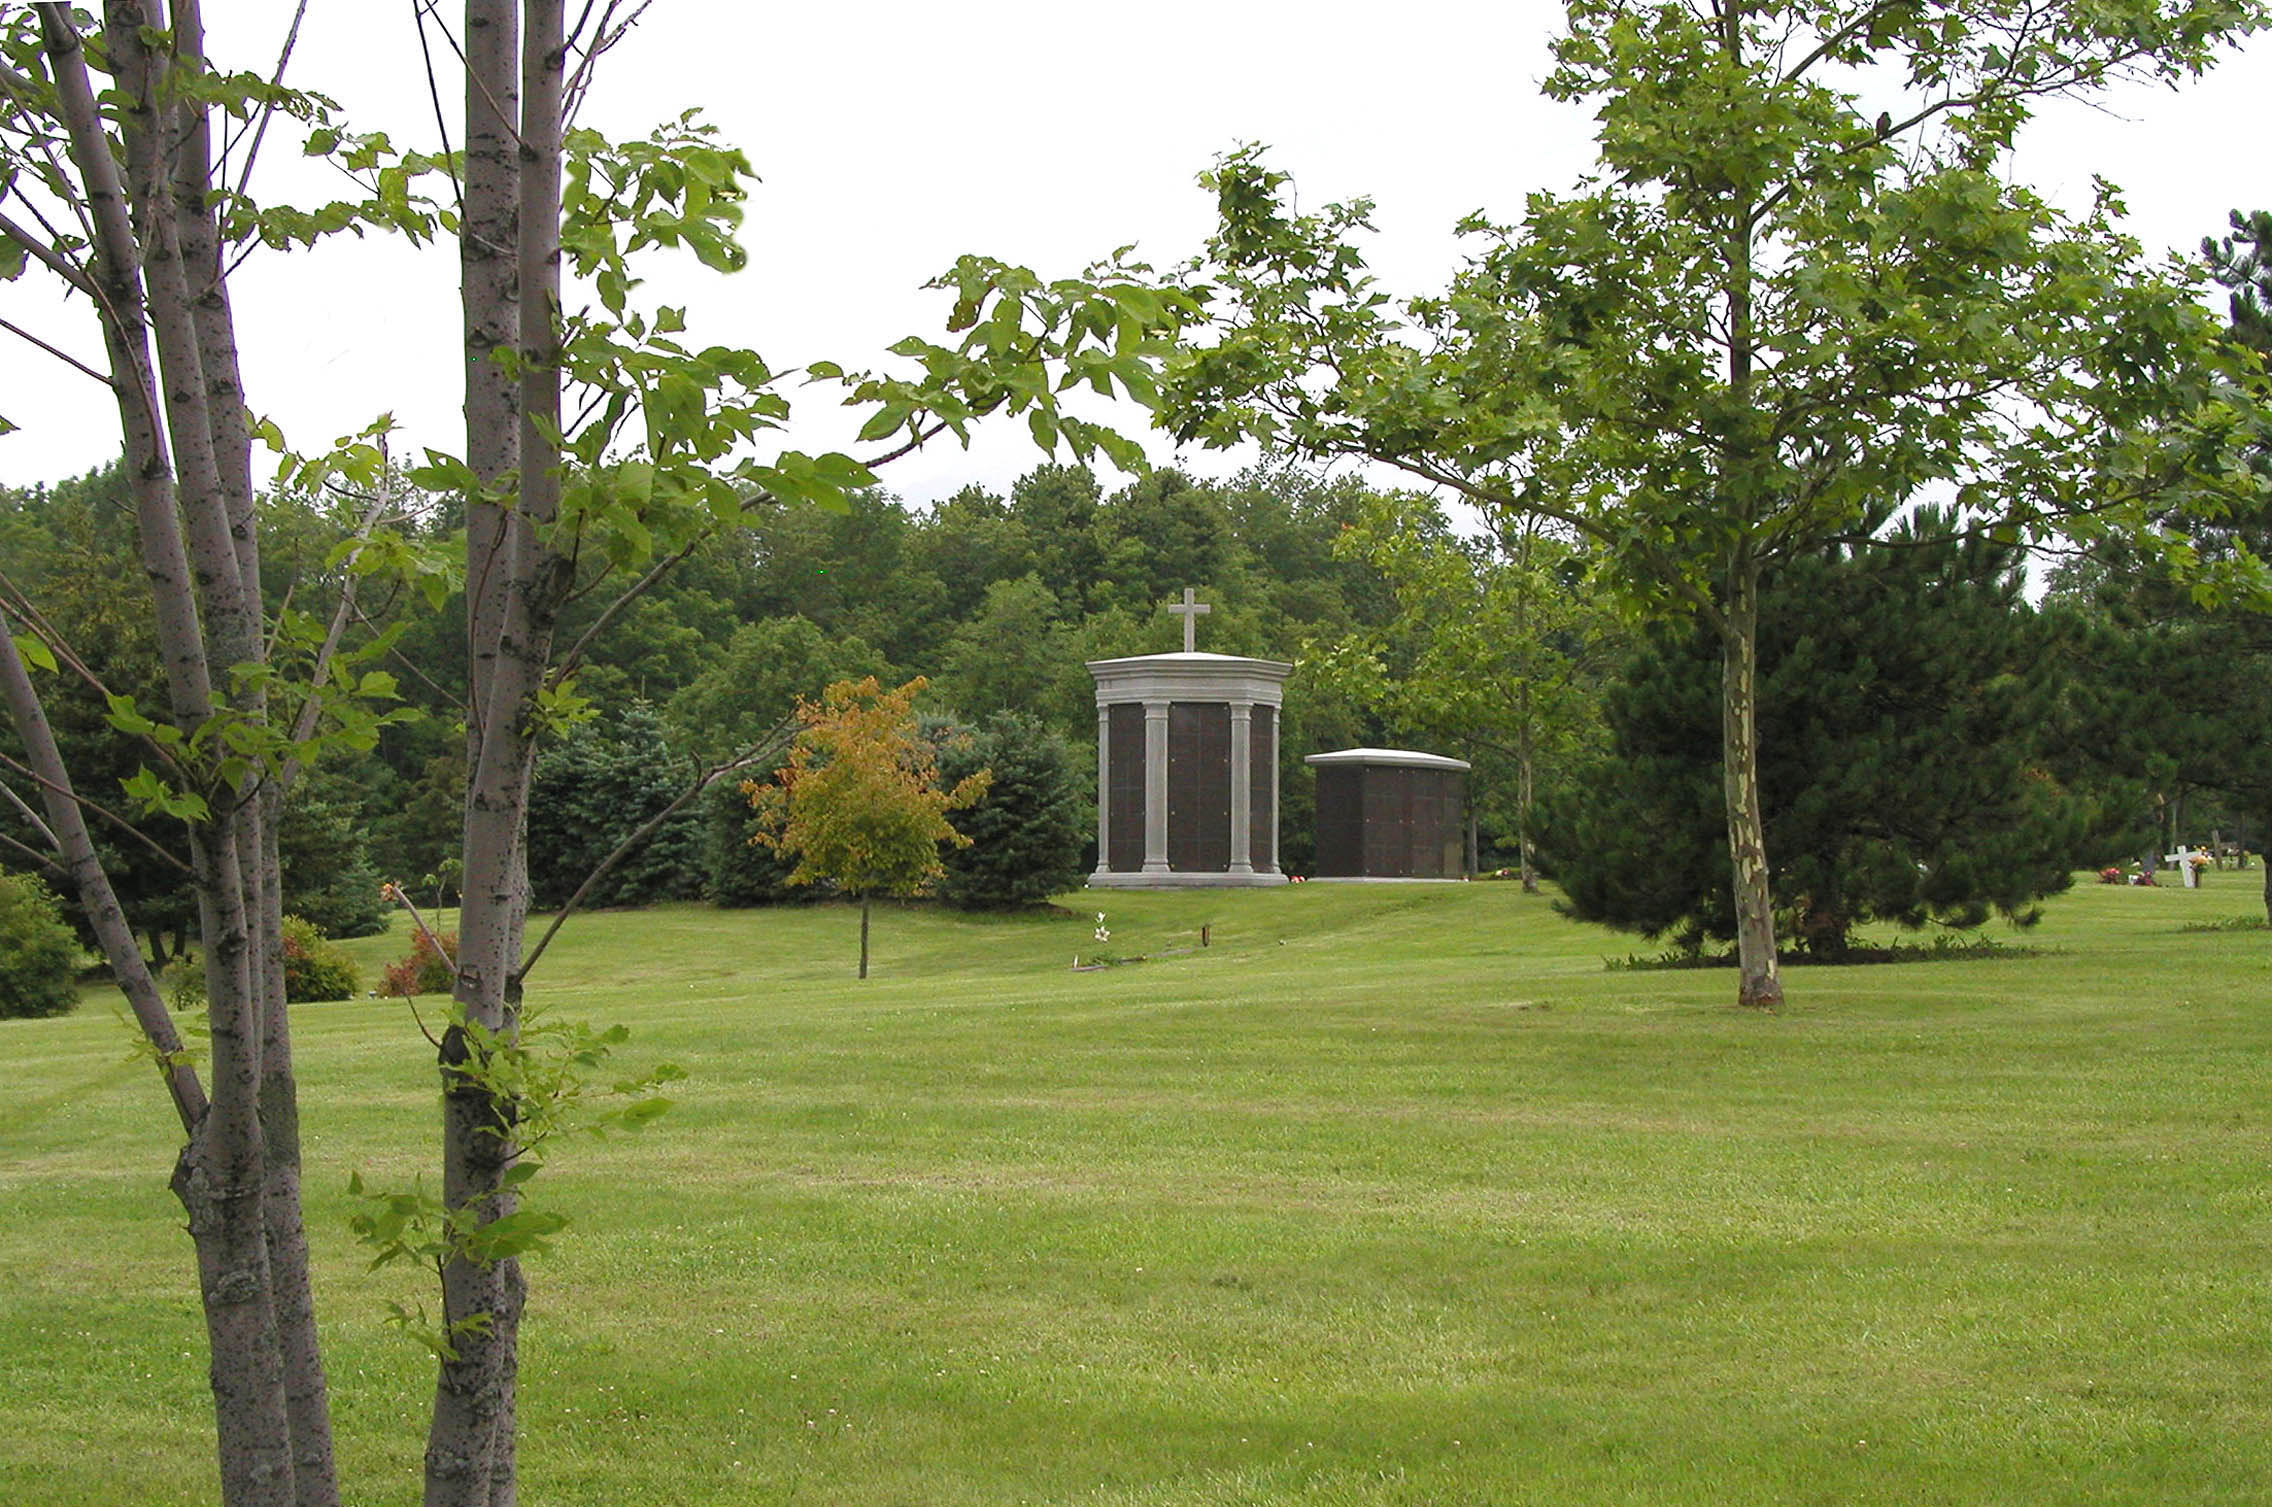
1026	831
594	789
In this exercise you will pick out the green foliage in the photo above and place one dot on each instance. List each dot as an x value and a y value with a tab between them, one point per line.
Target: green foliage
592	790
329	878
68	547
755	684
740	869
1906	696
2169	681
39	958
543	1078
1496	652
2238	263
1799	289
1025	834
314	967
183	984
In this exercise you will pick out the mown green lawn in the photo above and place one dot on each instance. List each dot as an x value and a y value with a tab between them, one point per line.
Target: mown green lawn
1391	1195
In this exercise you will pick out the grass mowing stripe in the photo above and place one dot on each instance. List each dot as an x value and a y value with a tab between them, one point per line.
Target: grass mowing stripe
1389	1196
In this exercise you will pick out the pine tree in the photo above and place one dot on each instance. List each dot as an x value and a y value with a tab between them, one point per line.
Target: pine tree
1905	687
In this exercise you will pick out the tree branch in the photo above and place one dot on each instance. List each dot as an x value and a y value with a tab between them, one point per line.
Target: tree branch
604	37
568	662
43	863
67	827
61	355
304	727
48	257
920	438
55	787
777	737
28	814
268	111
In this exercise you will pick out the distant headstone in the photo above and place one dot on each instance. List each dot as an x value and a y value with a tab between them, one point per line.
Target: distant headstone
2188	868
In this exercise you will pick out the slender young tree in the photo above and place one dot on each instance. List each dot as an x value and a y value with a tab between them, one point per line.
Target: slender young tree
131	162
859	803
1800	288
113	188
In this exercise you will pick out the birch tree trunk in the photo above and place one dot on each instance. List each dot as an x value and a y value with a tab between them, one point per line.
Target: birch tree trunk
156	268
515	586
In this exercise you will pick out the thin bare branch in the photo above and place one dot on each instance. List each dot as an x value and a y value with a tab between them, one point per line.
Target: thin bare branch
47	834
48	257
604	38
268	111
419	10
61	355
13	599
58	788
44	863
400	896
311	710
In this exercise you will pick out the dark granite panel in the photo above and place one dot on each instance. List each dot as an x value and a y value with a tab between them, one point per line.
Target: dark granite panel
1124	788
1199	787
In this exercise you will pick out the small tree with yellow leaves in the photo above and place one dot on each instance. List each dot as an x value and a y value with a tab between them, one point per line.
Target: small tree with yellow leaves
859	803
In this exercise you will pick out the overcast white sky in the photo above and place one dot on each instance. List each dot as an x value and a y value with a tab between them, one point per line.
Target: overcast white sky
892	136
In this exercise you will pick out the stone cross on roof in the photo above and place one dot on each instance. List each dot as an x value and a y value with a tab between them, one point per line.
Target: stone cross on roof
1190	612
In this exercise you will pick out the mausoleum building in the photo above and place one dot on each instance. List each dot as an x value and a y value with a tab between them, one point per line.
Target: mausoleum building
1187	768
1390	813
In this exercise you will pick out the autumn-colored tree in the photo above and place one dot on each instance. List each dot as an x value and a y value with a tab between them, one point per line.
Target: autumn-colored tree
859	804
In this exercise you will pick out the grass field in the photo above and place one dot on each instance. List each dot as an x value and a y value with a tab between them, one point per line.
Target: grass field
1391	1196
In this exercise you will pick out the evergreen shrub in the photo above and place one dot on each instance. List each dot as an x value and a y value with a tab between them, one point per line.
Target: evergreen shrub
39	957
1027	830
738	870
592	791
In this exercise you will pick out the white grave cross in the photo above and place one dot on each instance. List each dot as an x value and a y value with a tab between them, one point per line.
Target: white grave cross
1190	612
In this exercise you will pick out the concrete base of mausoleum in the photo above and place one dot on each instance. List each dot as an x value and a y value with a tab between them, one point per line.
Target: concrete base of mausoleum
1387	879
1115	880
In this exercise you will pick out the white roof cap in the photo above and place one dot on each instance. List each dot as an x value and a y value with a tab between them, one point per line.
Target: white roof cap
1401	757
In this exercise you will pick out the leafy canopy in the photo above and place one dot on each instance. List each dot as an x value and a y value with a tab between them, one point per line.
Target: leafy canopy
859	803
1775	306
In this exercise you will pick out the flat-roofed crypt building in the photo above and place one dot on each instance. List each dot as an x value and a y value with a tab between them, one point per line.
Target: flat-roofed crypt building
1390	813
1187	766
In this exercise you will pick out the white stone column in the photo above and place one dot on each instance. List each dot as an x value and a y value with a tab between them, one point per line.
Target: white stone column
1155	787
1242	787
1277	732
1104	789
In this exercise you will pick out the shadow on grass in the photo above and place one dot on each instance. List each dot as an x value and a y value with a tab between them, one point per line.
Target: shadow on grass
1940	950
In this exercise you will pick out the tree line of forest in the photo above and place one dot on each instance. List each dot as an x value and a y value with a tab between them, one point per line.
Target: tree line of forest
1943	750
